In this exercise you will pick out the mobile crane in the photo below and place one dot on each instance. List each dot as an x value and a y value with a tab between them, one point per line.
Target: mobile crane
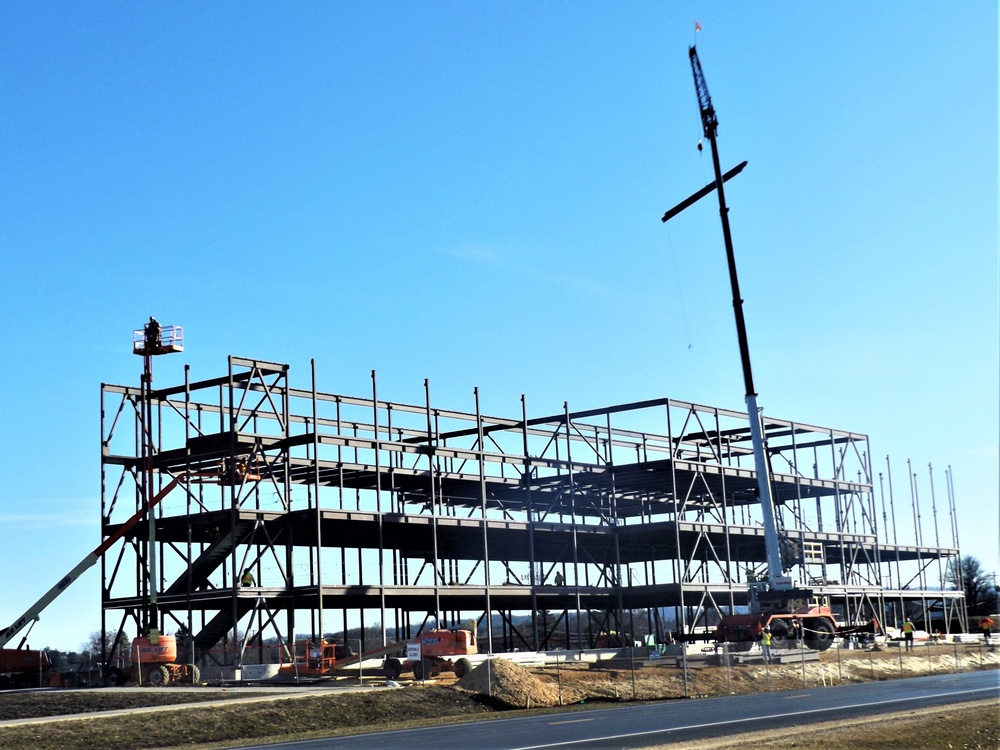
775	602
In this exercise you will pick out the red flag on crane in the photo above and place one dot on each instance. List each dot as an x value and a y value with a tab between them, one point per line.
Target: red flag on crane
697	26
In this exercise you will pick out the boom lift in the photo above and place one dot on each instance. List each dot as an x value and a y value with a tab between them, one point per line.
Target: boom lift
775	601
155	653
11	658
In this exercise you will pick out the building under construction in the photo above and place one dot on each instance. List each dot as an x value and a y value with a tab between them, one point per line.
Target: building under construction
355	511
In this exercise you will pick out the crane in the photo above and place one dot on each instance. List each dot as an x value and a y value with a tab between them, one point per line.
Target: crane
776	602
709	122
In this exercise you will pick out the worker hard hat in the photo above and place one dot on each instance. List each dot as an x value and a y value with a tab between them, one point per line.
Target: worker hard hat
767	628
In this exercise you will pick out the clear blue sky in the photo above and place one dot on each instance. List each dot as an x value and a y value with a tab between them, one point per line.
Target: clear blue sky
471	193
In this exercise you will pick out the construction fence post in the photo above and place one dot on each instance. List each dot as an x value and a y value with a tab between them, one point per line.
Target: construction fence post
725	659
631	652
840	669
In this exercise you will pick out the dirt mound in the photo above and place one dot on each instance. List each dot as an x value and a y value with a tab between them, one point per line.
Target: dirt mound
509	683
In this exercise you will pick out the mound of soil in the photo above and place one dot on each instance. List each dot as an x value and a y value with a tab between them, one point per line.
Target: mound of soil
509	684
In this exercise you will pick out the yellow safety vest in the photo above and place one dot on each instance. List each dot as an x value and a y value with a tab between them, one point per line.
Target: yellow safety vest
907	627
766	638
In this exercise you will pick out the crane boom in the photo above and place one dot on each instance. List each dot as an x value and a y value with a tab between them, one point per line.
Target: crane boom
710	125
34	611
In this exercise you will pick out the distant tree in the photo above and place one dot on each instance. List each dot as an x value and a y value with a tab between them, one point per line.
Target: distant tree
979	586
95	646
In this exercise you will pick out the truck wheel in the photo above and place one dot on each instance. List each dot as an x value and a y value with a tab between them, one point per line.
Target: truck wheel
114	677
462	668
195	674
158	676
820	635
393	669
418	670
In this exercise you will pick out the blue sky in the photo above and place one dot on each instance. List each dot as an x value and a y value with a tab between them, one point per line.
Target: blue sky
471	193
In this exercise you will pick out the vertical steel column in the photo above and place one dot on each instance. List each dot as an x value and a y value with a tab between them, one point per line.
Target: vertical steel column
725	518
885	517
678	566
232	490
895	538
318	506
531	522
431	470
804	577
960	574
613	511
937	539
917	522
845	569
572	510
187	509
482	500
378	507
105	593
870	481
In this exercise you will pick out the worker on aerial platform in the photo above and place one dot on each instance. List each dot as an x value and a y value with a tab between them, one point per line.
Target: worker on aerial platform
152	335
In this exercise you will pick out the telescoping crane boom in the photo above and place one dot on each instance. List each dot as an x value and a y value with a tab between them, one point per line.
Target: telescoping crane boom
710	124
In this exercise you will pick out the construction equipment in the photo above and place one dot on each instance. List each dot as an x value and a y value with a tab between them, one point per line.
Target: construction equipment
438	651
23	656
154	663
775	601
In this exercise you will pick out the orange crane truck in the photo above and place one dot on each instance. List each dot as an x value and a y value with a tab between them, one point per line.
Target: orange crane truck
775	601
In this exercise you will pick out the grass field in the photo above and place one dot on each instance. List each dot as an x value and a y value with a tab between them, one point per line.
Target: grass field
214	717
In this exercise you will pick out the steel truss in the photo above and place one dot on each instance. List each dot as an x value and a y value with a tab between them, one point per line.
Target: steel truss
356	511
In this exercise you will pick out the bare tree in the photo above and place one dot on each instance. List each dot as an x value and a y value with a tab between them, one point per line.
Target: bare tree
979	586
95	646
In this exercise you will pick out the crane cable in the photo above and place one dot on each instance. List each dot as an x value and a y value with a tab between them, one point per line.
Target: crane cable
680	288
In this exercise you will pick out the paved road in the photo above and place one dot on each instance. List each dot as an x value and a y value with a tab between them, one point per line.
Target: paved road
678	721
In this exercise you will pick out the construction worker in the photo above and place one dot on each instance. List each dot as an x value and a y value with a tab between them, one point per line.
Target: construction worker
986	626
247	579
797	631
152	335
560	579
908	629
765	643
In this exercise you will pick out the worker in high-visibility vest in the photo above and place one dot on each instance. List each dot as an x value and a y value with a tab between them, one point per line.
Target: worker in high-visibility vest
908	629
247	579
986	625
765	643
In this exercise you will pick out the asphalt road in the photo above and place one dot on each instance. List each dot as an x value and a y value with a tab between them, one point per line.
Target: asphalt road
678	721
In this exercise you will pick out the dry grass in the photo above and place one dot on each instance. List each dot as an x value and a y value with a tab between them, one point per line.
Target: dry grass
312	716
300	718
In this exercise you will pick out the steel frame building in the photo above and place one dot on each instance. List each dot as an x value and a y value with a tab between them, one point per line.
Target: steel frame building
354	511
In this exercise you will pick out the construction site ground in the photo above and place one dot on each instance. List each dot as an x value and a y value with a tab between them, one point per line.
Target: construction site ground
235	716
